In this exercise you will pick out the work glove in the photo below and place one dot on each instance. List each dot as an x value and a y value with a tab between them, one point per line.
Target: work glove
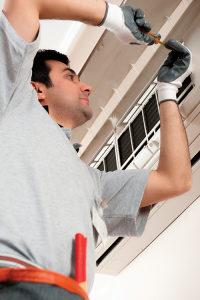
174	71
124	22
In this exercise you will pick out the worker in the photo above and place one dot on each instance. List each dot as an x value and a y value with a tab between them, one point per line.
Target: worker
47	194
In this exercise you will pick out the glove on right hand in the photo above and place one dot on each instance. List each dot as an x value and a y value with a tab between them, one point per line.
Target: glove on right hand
174	71
124	23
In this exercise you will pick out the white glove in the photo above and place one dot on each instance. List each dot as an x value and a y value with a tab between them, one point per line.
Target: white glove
174	71
124	22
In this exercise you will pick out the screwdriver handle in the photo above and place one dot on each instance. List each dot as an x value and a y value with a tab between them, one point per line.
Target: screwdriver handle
156	38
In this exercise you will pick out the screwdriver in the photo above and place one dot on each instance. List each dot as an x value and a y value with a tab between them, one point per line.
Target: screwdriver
156	38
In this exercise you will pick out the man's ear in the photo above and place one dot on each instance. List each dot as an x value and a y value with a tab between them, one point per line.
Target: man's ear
41	92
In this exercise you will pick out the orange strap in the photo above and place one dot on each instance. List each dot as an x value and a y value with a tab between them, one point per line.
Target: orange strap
42	276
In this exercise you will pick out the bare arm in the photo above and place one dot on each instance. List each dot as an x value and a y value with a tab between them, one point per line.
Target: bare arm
24	15
173	175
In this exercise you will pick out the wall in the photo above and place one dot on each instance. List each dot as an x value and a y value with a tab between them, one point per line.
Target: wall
169	269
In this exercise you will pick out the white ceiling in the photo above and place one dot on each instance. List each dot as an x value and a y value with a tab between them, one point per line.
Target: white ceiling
53	32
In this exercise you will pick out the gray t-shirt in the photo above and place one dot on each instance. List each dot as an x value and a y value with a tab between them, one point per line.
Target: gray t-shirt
46	191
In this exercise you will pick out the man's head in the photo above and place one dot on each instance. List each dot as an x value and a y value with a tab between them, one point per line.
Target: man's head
59	88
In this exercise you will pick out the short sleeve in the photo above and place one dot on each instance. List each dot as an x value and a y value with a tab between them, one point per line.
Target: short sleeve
16	60
124	190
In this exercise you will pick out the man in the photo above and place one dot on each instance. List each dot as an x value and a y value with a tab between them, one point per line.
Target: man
47	193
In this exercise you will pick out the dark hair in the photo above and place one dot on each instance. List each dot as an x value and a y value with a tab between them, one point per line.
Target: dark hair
41	70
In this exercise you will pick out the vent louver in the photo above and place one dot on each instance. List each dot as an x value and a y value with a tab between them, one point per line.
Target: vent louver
128	163
185	95
101	167
110	161
151	114
185	83
195	159
125	149
108	251
137	130
140	149
157	128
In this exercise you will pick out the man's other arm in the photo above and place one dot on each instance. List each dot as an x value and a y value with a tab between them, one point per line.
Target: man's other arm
24	15
173	176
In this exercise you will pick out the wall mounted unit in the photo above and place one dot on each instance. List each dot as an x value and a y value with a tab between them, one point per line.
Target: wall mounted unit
120	251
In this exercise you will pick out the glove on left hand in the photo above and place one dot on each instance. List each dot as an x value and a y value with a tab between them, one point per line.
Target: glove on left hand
174	71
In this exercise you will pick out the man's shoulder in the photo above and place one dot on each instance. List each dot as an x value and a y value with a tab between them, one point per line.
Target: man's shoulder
16	57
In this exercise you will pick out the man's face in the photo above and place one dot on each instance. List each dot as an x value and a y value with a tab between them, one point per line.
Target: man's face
68	101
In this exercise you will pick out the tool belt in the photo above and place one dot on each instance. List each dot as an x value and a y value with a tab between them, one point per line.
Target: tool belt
15	269
35	275
13	261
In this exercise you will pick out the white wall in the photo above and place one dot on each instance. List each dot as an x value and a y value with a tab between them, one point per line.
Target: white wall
169	269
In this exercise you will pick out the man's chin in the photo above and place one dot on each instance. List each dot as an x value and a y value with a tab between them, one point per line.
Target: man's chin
89	115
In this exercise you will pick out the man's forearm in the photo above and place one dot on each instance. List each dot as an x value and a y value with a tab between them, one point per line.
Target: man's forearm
174	160
87	11
24	15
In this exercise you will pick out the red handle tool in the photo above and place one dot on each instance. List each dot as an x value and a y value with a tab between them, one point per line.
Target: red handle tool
81	253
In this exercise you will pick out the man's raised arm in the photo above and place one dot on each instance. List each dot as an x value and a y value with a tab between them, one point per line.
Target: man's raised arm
24	17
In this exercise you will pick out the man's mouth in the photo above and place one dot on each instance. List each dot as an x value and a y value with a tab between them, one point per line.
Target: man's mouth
86	99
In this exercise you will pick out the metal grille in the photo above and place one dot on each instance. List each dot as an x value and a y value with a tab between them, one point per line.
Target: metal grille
137	130
101	167
195	159
128	163
185	95
151	114
125	149
140	149
185	83
110	161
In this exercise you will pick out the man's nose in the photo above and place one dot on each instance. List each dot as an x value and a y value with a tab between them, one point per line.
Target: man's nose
86	88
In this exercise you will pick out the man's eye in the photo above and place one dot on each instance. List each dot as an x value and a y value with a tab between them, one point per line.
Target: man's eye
70	76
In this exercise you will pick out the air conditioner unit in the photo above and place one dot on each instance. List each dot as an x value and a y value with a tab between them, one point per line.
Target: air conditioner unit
120	251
